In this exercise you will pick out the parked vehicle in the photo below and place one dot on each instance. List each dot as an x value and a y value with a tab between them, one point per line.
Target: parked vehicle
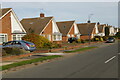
110	40
28	46
73	39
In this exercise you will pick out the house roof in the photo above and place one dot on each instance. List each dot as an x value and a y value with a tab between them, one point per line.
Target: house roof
65	26
100	28
85	29
35	24
4	10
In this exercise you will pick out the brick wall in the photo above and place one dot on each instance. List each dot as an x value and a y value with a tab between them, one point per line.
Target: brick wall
64	38
48	30
71	32
6	26
84	37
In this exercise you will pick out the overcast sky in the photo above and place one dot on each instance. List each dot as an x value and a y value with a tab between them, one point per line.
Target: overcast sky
104	12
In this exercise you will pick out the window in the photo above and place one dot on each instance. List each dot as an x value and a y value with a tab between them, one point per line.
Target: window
43	35
49	37
18	36
57	37
16	43
3	38
72	35
54	37
68	35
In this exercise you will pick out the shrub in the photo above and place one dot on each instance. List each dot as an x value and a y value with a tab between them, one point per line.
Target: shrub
4	52
12	51
105	38
54	45
118	35
82	41
39	41
79	40
98	38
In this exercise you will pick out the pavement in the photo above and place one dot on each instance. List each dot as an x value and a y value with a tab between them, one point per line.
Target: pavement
98	63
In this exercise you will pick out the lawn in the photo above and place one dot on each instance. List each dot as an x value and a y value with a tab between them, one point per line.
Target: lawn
28	62
81	49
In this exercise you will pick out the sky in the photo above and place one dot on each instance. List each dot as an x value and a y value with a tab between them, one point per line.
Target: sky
103	12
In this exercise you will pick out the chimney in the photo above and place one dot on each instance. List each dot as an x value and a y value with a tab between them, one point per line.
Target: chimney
42	15
98	23
88	21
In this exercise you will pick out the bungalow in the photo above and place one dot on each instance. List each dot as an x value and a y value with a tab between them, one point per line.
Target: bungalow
88	30
115	30
11	28
101	29
68	29
44	26
109	30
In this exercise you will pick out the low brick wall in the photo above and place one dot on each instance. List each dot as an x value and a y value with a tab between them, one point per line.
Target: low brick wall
15	57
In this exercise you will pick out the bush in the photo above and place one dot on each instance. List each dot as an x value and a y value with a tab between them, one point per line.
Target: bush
4	52
105	38
54	45
39	41
12	51
99	38
118	35
79	40
82	41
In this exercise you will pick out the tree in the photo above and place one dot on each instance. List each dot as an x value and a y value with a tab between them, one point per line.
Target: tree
107	32
118	35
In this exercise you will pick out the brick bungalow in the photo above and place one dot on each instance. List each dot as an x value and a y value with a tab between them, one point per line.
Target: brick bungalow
11	28
44	26
68	29
101	29
88	30
110	31
115	30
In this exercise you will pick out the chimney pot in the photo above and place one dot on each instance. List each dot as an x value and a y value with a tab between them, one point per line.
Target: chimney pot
88	21
42	15
98	23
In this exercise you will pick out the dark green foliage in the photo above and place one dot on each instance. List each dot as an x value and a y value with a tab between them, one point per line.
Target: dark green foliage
12	51
107	32
118	35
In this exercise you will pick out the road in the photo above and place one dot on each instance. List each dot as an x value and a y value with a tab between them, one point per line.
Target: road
98	63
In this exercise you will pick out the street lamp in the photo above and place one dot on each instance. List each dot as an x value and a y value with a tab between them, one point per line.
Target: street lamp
89	16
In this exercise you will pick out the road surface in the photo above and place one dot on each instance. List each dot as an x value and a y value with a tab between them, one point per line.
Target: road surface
98	63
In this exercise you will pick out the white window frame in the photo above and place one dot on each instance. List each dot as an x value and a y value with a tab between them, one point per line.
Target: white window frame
72	35
58	37
49	37
17	36
43	35
2	35
68	35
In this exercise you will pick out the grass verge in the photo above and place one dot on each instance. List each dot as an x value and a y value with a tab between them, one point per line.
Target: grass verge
5	67
81	49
